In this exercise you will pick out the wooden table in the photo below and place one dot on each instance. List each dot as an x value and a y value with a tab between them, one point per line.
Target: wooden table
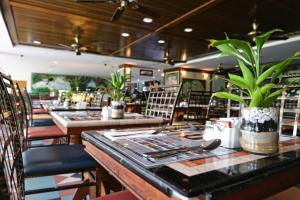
72	108
74	123
235	176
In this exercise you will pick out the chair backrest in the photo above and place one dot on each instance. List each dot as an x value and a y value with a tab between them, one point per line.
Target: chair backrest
11	139
162	101
289	114
197	105
28	103
24	113
97	99
217	108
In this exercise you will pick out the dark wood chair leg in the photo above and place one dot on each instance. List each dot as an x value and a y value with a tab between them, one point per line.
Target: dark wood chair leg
81	193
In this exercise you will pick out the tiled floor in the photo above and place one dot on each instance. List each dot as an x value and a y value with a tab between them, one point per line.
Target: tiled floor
41	182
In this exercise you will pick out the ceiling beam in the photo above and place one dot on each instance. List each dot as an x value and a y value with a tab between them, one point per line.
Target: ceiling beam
179	20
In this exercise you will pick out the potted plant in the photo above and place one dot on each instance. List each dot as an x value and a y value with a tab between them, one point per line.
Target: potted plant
68	95
114	89
258	82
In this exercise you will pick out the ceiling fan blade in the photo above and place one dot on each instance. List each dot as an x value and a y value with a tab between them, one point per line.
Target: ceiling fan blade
117	14
147	11
65	46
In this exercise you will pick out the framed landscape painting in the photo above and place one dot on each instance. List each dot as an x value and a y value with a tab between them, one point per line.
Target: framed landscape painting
172	78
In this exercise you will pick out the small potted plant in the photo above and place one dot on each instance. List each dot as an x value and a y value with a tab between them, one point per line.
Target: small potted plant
258	83
114	89
68	95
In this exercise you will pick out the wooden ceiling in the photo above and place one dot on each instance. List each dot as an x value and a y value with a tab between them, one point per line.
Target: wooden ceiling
53	22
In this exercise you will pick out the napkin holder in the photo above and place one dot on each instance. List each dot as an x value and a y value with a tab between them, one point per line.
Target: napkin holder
81	105
106	112
225	129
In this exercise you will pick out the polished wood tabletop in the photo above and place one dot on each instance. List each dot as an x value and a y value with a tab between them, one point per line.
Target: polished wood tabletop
236	175
75	122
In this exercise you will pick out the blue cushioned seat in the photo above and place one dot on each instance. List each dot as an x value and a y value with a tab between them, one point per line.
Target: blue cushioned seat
58	159
44	122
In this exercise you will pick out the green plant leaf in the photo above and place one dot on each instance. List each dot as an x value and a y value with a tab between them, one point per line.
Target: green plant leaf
261	39
227	49
277	68
256	98
228	95
241	45
266	88
115	86
268	102
247	74
271	98
282	66
239	81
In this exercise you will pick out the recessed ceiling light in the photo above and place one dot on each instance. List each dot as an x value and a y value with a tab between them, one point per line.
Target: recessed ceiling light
158	70
125	34
161	41
147	20
36	42
188	30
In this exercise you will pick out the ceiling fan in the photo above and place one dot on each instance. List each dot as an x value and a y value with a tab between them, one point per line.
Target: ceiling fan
221	70
168	59
76	46
255	31
123	5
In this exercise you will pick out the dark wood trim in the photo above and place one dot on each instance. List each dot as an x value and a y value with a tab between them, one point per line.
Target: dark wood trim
9	20
75	132
187	69
268	187
138	186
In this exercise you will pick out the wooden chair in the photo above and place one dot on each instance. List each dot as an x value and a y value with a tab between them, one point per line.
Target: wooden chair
19	164
197	106
162	101
37	133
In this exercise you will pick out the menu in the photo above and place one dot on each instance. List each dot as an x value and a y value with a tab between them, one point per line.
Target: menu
135	147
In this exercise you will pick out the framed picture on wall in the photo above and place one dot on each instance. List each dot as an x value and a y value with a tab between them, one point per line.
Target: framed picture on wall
172	78
146	72
192	84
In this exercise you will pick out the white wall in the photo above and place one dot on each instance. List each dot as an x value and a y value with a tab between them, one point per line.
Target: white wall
20	68
13	66
136	77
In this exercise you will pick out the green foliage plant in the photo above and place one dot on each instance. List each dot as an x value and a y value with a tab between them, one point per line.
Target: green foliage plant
114	87
69	94
253	82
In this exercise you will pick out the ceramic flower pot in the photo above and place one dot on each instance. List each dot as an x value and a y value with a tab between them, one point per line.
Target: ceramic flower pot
117	110
259	130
